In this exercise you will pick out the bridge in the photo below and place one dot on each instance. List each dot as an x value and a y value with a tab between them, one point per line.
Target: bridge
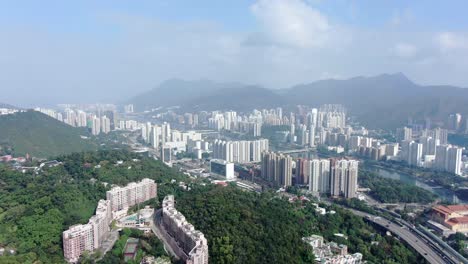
297	150
424	245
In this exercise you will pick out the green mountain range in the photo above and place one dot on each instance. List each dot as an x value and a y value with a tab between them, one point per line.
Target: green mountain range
40	135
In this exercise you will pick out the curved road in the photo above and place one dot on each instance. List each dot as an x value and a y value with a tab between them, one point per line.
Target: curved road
409	237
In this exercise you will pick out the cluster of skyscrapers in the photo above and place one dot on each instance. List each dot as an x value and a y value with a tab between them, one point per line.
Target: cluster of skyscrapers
103	122
277	168
336	177
192	243
89	237
243	151
431	150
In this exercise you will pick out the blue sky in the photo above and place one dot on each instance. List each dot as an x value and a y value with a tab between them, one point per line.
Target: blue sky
104	51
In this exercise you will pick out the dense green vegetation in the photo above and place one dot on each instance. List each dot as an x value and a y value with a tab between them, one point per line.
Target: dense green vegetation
241	227
40	135
245	227
35	209
393	191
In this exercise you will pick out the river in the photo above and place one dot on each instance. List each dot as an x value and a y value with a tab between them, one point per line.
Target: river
443	193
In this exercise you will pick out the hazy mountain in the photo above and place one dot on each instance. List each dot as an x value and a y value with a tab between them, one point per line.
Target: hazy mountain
239	98
40	135
3	105
383	101
177	92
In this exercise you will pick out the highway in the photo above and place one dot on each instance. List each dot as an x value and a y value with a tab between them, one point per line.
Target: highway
430	251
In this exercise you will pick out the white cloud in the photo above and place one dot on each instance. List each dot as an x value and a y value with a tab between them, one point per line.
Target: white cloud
405	50
292	22
450	41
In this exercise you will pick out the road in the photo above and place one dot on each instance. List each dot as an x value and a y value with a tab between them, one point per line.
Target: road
417	243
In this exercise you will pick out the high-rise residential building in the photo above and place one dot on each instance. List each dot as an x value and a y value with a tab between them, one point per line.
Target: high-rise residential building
96	126
331	116
128	108
121	198
343	178
319	175
292	131
354	143
439	134
404	133
391	150
454	121
449	158
302	171
82	121
415	154
76	240
239	151
277	168
312	136
87	237
192	242
429	145
105	125
155	137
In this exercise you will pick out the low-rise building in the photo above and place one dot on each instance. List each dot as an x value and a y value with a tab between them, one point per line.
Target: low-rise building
454	217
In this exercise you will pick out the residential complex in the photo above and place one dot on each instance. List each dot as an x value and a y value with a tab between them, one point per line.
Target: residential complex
277	168
337	177
331	253
89	237
192	242
240	151
121	198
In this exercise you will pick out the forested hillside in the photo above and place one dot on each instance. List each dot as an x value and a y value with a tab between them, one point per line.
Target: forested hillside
245	227
35	209
40	135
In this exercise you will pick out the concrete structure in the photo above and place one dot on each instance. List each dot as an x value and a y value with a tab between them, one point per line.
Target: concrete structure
454	217
192	242
277	168
121	198
87	237
222	168
343	178
239	151
331	253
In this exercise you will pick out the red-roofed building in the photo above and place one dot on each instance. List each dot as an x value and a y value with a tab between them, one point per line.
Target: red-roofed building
454	217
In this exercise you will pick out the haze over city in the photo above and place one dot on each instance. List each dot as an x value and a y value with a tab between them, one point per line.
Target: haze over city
87	51
233	132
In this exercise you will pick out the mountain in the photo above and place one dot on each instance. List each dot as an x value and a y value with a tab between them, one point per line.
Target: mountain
40	135
206	95
384	101
177	92
3	105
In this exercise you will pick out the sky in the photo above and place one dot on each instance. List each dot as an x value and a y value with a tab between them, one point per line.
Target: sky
109	50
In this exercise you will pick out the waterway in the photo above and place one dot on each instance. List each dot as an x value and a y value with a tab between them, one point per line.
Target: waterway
443	193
